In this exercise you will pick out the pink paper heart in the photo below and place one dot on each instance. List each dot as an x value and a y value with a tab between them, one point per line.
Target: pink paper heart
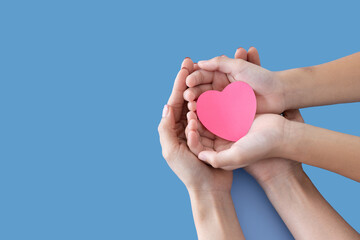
230	113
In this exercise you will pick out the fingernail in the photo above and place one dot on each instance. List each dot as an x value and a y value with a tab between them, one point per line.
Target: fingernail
186	57
202	156
165	111
201	62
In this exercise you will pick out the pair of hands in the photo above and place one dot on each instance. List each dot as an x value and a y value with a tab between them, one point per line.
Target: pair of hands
184	140
262	152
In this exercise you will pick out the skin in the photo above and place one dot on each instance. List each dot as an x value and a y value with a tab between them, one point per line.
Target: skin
272	135
219	71
209	188
329	83
303	209
200	139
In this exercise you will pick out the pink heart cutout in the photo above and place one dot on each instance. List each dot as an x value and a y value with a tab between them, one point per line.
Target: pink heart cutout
230	113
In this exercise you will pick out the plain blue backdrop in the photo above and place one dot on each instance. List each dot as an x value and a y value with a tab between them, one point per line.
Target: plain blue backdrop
83	84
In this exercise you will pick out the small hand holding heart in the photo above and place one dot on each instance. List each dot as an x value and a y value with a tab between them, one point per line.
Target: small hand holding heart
224	131
230	113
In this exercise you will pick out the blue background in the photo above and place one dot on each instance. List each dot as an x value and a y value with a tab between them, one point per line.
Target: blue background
83	84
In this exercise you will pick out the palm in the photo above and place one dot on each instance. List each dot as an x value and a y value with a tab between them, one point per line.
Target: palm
217	80
208	140
266	128
267	88
197	174
266	169
259	132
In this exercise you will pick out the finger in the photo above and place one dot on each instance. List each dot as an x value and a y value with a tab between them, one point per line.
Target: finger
187	129
194	143
207	143
176	99
223	64
253	56
193	126
241	54
189	126
199	77
192	106
167	133
293	115
191	94
196	67
188	64
193	139
199	127
191	116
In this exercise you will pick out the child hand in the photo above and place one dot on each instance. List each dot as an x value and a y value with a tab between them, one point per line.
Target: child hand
218	72
199	139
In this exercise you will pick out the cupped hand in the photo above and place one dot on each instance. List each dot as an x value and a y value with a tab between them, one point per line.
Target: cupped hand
216	73
200	139
268	169
195	174
265	139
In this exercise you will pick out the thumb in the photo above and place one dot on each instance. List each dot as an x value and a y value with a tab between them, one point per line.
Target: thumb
167	133
228	159
248	149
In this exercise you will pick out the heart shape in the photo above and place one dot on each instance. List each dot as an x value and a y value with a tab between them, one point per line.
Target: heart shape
230	113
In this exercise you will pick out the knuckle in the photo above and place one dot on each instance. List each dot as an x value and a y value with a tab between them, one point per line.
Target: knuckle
161	127
165	154
201	77
197	77
168	153
185	94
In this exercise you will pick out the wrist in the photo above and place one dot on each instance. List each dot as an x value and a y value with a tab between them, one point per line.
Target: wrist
293	82
284	77
214	198
292	139
214	215
282	183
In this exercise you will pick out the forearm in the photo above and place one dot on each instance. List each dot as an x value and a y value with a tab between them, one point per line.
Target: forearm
215	216
334	151
303	209
329	83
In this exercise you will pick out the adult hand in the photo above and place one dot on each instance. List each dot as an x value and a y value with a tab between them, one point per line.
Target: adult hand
209	188
195	174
